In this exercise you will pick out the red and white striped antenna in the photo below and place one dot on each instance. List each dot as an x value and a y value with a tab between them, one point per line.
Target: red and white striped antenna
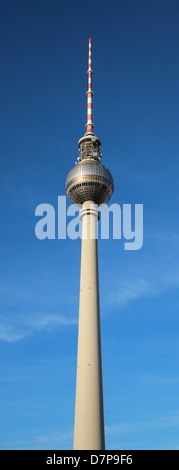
89	124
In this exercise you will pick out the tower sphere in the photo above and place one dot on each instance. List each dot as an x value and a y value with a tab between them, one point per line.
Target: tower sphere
89	180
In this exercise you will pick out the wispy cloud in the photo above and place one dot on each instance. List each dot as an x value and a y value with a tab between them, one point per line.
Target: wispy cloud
41	321
164	236
10	334
134	426
140	285
42	441
128	290
16	329
158	380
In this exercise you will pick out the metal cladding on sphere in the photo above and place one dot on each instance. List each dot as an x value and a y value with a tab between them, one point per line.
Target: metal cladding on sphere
89	181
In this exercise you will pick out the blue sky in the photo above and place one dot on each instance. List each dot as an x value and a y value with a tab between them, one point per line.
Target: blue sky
43	114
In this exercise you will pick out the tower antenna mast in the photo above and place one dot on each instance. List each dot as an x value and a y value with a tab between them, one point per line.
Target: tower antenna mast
89	124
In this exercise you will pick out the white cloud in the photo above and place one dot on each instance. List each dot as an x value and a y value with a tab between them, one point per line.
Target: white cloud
40	321
134	426
131	290
9	333
164	237
16	329
161	380
46	441
141	284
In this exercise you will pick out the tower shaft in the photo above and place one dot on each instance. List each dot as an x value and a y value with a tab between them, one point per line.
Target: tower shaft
89	416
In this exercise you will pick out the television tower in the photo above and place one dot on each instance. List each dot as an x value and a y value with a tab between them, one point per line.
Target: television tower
89	184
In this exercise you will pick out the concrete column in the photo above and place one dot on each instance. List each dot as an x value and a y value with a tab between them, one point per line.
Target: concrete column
89	416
